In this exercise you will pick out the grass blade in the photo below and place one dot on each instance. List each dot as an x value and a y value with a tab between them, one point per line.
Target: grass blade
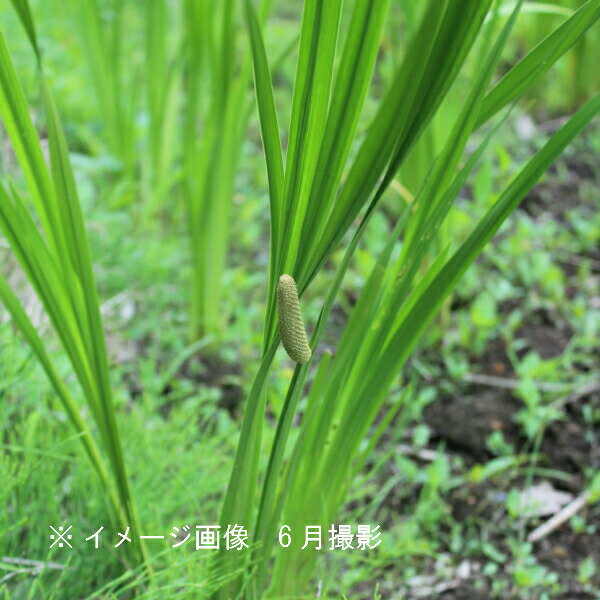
539	60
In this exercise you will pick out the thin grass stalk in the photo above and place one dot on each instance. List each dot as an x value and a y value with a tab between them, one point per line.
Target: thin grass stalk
18	315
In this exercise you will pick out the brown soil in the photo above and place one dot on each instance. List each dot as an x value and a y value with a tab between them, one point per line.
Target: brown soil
466	422
211	370
545	334
563	551
464	592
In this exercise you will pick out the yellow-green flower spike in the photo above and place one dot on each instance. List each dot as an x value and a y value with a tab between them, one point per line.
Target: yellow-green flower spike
291	326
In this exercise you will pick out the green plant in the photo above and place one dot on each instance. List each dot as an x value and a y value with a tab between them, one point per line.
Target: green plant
57	263
309	216
193	108
325	187
163	82
216	115
576	70
102	36
545	17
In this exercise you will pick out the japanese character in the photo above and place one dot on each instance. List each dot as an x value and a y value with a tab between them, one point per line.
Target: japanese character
342	539
313	533
207	537
235	537
123	537
95	537
365	537
179	534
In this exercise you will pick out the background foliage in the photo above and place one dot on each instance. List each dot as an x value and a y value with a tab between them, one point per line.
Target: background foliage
499	398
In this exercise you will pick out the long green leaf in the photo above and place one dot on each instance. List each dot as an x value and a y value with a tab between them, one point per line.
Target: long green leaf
268	121
539	60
